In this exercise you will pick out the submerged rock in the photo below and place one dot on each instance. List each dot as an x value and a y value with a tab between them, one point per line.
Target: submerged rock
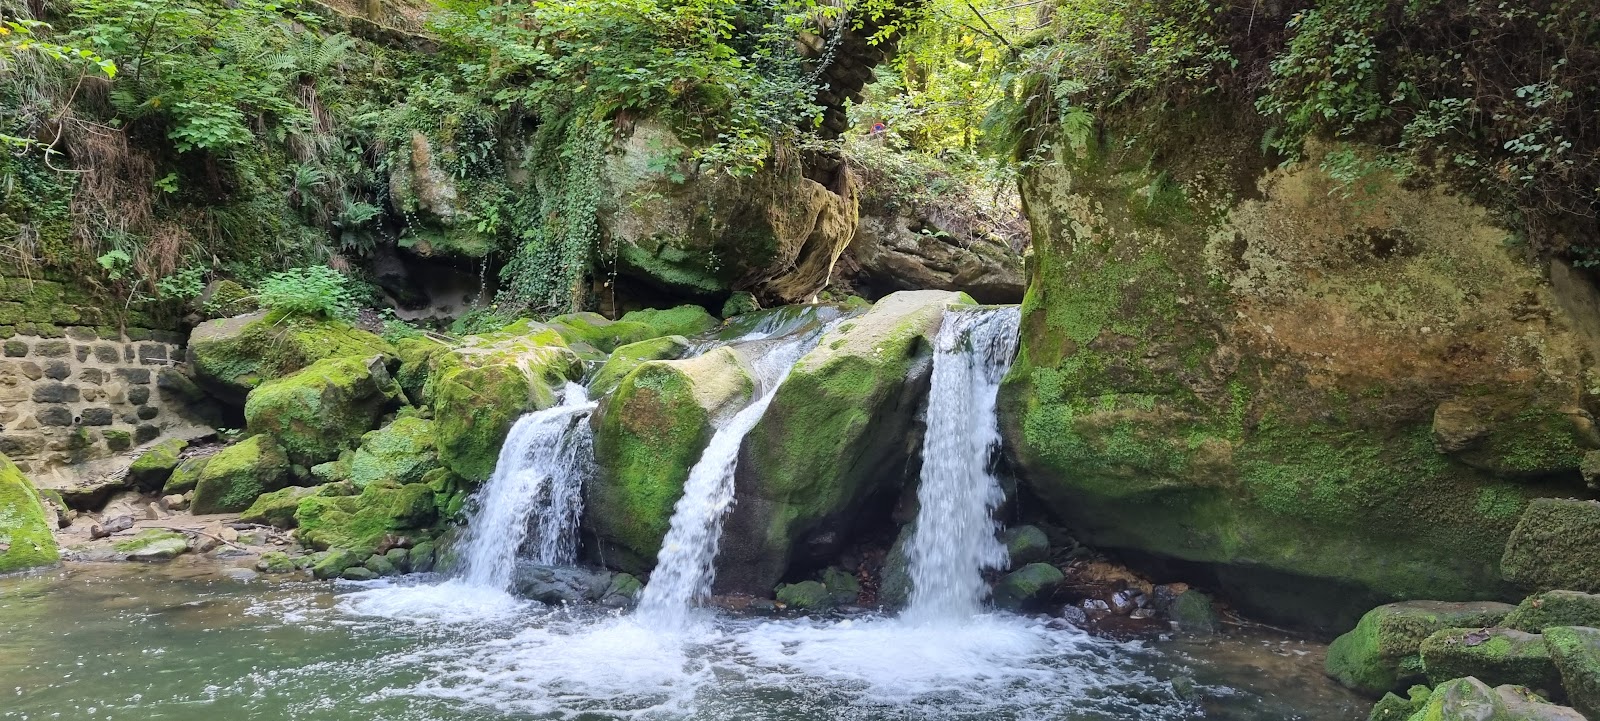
1576	653
561	584
648	434
231	356
25	538
232	479
1492	655
1027	585
1383	652
1556	544
838	434
324	408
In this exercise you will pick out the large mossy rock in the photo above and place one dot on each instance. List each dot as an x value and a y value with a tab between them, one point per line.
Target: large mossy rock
1576	652
1244	367
231	356
1492	655
1026	586
692	232
25	539
835	439
231	480
479	388
1554	608
277	508
402	451
623	360
323	409
1383	652
648	435
1556	544
150	471
360	523
1468	699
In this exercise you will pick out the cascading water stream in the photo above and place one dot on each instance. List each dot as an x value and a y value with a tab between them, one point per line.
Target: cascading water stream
536	490
955	536
685	567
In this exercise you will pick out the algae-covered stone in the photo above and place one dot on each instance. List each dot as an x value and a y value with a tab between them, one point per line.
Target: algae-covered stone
1193	612
683	320
624	588
1383	653
185	476
1393	707
25	539
1226	361
1556	544
154	544
278	507
420	558
360	523
333	563
276	562
1492	655
1029	584
805	595
232	479
597	331
740	303
231	356
838	433
402	451
358	573
1555	608
324	408
480	388
150	471
842	586
1468	699
648	434
894	583
1576	653
1025	545
626	358
418	357
381	565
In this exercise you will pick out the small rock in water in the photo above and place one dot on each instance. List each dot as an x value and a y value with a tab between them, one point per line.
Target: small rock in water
240	574
1074	615
275	562
1122	602
1095	608
1141	613
400	558
358	573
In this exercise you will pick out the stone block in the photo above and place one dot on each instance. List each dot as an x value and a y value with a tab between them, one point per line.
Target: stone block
145	433
17	445
53	348
97	416
16	348
82	353
139	395
79	332
60	416
136	376
30	370
57	370
106	353
146	413
52	392
92	376
152	354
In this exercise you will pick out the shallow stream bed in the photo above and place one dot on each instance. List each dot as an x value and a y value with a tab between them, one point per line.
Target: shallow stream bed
183	641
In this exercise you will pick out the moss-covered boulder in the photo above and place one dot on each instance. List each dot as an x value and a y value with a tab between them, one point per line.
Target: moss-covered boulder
185	476
232	479
805	596
153	544
1242	365
1492	655
25	539
648	434
685	320
1576	653
1468	699
588	330
1028	585
842	586
418	358
479	388
323	409
231	356
278	508
1025	545
1394	707
402	451
691	232
1556	544
150	471
623	360
1554	608
836	437
360	523
1383	652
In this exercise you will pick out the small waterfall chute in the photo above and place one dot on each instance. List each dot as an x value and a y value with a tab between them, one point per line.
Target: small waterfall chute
955	538
535	496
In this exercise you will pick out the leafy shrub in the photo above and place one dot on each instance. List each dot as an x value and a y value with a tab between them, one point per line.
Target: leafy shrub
314	291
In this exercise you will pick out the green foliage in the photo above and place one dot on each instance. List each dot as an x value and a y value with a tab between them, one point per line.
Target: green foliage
184	284
316	291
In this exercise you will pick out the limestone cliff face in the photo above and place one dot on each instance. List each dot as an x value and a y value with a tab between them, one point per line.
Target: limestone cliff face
1331	393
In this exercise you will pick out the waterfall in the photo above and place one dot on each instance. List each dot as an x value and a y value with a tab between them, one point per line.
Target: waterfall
684	568
536	489
955	538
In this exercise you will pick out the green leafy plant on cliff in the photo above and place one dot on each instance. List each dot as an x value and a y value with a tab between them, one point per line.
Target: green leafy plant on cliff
314	291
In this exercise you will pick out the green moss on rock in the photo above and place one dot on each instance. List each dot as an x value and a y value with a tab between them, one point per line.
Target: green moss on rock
232	479
1393	707
478	389
277	508
1576	653
648	434
626	358
152	468
323	409
1027	585
685	320
154	544
1555	608
360	523
185	476
1468	699
231	356
402	451
1383	652
25	539
1492	655
1556	544
805	596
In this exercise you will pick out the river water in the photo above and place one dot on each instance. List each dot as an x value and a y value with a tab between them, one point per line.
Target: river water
181	641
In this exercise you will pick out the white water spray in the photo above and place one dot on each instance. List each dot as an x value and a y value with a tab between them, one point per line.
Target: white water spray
685	567
955	537
536	490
